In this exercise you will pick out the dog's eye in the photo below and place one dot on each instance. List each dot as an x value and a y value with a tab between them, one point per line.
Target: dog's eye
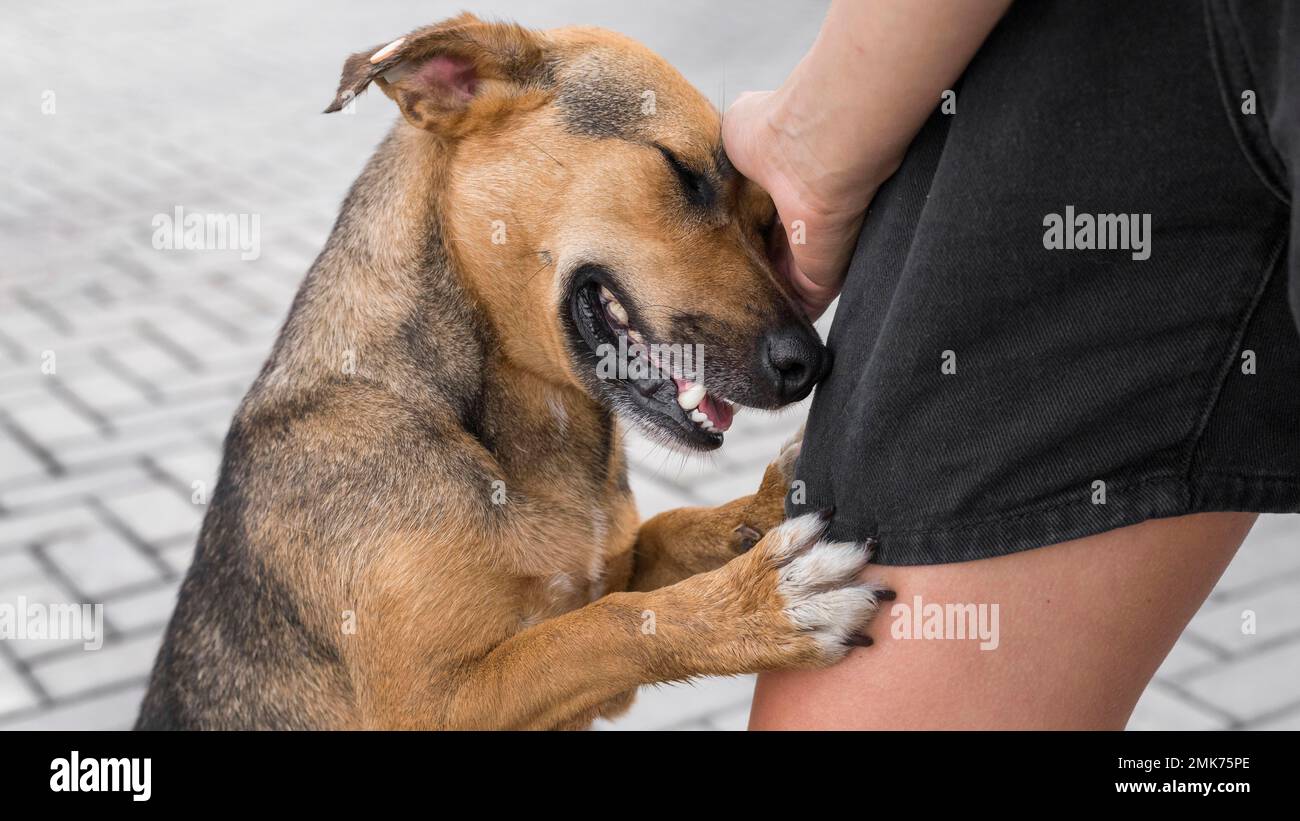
697	187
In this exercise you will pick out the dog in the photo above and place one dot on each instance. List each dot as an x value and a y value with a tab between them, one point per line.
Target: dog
423	518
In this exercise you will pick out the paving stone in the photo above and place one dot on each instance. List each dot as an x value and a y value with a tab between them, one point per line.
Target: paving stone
692	726
72	488
16	567
1185	656
105	392
15	693
1271	550
46	526
16	462
1289	720
149	609
1252	686
149	361
1272	613
92	454
198	463
99	562
39	591
724	486
653	497
672	704
115	710
733	720
178	557
1162	709
51	420
18	380
157	513
113	664
179	413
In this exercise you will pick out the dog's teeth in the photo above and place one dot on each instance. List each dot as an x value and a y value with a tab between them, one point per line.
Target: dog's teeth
691	398
730	404
698	416
612	305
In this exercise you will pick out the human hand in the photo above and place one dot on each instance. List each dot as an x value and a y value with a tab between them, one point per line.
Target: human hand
821	205
840	123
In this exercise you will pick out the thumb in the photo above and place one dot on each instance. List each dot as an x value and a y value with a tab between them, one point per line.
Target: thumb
814	294
818	250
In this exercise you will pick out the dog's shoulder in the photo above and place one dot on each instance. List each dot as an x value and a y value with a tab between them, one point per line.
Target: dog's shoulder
348	431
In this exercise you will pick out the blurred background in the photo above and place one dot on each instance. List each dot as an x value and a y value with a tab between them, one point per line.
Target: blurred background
116	112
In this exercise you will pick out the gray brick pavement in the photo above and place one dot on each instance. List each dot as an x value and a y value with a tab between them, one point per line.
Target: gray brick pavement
215	109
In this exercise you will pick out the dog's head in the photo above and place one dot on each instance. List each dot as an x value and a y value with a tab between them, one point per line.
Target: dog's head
585	176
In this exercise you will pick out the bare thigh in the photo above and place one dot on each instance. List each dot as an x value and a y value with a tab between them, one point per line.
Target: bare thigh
1082	627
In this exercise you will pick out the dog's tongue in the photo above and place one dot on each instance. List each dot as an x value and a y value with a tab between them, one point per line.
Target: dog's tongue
719	413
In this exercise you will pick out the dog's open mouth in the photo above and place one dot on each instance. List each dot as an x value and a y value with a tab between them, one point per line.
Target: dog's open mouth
660	383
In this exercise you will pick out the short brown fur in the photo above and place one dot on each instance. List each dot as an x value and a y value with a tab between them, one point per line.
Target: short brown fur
355	569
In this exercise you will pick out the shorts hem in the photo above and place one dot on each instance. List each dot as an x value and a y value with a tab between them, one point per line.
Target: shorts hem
1157	498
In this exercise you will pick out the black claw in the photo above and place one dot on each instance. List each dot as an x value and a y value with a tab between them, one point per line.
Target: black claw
826	513
860	641
871	544
887	595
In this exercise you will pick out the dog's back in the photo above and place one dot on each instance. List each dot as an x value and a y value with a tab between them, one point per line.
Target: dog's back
238	652
334	442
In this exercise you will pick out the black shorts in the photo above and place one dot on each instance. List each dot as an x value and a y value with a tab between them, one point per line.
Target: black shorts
1075	305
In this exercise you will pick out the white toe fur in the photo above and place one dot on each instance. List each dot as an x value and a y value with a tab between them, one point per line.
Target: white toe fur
794	535
831	618
822	596
825	565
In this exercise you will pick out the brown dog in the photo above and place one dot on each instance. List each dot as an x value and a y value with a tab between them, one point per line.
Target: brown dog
423	517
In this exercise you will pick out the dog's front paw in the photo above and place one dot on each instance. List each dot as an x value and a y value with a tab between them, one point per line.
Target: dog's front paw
812	606
818	581
766	509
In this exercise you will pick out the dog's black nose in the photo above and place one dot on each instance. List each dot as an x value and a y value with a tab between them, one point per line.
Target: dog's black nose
792	360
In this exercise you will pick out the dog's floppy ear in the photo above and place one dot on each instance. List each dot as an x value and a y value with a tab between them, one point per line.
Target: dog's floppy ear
435	73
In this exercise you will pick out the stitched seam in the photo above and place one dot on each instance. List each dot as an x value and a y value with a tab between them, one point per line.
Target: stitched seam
1251	153
1230	359
983	524
1163	477
1261	477
1254	153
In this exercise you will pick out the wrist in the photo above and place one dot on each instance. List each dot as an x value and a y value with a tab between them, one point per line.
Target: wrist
816	144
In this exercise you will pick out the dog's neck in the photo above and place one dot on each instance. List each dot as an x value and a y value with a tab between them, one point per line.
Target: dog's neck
384	303
380	260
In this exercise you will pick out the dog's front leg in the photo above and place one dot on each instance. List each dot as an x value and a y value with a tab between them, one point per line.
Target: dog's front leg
791	601
679	543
